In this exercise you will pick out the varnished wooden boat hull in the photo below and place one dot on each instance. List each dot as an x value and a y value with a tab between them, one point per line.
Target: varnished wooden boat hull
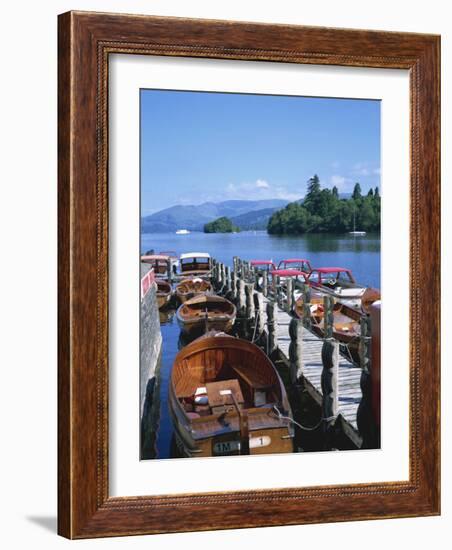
163	300
188	289
194	320
343	316
219	434
201	326
164	293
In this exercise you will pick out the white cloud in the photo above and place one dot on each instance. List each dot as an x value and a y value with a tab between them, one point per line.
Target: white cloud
337	180
343	183
257	190
262	184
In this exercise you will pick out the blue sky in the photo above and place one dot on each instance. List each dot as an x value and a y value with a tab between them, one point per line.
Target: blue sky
198	146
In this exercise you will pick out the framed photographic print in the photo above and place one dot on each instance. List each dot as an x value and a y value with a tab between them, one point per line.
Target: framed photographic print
248	274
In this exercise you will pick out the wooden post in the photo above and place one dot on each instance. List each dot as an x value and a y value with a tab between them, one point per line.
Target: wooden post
329	382
169	270
328	317
271	327
234	286
223	276
257	276
235	264
227	274
242	298
289	292
265	283
219	275
259	313
245	270
276	289
240	267
366	425
307	321
249	289
296	350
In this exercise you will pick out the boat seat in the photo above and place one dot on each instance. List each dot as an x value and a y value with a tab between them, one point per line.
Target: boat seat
256	381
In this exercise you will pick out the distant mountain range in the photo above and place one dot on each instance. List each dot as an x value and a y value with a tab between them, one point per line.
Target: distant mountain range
245	214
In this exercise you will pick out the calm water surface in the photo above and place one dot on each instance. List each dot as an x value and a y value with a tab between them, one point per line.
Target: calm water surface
360	254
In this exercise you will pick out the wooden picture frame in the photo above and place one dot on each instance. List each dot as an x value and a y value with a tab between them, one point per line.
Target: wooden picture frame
86	40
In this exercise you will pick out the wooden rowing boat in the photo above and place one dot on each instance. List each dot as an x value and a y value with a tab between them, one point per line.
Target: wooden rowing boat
164	293
203	313
226	398
346	323
189	288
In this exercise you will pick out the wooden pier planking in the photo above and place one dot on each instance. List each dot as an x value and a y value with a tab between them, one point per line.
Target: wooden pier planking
349	390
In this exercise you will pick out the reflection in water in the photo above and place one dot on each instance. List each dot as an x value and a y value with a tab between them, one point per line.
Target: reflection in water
170	335
166	315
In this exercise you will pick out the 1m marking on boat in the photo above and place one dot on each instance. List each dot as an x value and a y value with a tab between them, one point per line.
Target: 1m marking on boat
228	447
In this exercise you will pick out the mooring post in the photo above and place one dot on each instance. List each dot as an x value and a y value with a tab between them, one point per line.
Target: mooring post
235	263
271	326
257	279
265	283
330	374
249	289
259	313
276	289
296	350
227	274
245	270
328	317
219	275
242	298
289	291
234	286
365	421
223	277
249	309
169	270
240	267
307	321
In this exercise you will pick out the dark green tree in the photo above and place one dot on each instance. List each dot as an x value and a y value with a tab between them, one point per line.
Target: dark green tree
220	225
323	212
370	193
335	192
313	185
376	192
356	192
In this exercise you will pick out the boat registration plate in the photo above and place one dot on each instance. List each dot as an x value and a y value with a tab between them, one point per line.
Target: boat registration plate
228	447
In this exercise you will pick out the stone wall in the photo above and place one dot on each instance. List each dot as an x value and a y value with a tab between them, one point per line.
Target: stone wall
151	345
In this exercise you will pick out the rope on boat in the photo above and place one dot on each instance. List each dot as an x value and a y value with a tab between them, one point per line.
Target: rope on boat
304	428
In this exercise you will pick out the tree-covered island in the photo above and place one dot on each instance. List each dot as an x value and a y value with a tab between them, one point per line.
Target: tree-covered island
322	211
221	225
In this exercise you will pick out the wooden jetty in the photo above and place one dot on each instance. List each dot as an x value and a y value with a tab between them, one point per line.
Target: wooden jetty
319	365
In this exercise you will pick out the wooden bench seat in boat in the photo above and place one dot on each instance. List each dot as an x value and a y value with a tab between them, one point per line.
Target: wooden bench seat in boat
255	380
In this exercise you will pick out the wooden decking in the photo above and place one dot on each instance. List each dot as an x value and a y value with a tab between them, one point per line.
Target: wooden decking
349	391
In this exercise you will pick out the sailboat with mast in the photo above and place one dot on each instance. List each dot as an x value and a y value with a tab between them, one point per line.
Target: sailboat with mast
354	232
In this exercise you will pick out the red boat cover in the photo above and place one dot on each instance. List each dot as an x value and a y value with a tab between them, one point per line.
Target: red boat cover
288	272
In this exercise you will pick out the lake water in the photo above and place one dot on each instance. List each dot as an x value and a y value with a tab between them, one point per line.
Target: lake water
360	254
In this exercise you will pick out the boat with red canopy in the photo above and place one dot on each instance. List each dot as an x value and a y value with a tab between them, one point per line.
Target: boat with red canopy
338	282
298	264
